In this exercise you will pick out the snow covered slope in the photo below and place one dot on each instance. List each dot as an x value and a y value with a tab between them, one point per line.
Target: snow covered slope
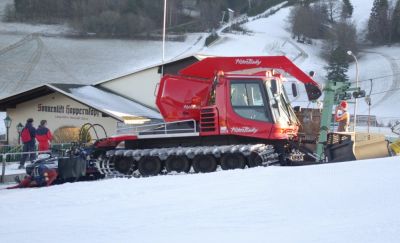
270	37
87	61
354	202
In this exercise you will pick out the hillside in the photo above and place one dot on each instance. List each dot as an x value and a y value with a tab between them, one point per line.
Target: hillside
270	37
48	58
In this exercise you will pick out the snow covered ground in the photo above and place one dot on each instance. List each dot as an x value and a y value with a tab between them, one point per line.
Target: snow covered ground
345	202
12	169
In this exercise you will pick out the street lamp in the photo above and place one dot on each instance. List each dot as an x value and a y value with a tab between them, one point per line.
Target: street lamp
7	123
20	127
350	53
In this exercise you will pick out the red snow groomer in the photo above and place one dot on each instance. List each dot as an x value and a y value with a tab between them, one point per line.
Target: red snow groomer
230	112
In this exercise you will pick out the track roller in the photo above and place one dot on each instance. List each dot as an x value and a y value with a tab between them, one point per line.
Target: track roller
204	163
233	161
177	163
149	166
124	165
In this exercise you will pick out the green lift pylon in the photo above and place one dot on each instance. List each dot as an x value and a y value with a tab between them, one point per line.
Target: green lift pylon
333	92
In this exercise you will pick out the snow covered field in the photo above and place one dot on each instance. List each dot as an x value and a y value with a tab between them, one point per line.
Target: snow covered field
345	202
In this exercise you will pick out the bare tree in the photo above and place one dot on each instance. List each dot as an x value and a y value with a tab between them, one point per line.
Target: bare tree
333	9
308	21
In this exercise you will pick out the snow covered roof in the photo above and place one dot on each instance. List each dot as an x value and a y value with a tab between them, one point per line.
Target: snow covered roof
171	67
118	107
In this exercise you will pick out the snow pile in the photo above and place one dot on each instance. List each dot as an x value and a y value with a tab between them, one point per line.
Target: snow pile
346	202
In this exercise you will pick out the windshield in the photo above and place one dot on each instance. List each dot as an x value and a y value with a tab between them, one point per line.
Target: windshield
247	99
281	107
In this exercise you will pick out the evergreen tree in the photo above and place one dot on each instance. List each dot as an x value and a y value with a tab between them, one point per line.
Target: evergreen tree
338	66
378	22
396	22
347	9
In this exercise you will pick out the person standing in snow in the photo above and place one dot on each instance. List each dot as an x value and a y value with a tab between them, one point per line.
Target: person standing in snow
43	136
342	116
28	139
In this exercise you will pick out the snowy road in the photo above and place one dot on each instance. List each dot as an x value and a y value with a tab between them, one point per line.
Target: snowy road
348	202
395	84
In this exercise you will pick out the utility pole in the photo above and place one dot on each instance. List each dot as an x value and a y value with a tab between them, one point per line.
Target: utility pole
350	53
163	42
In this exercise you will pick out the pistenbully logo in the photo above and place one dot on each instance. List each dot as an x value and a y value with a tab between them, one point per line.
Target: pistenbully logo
244	130
248	61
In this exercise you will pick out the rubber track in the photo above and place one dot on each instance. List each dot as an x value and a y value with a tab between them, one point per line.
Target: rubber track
106	164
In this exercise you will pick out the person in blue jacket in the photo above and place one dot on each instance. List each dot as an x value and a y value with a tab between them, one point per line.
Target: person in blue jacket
28	139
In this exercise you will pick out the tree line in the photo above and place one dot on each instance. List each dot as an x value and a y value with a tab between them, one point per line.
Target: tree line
384	22
131	17
330	21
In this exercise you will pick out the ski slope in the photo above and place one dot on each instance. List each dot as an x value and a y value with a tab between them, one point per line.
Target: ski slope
270	36
347	202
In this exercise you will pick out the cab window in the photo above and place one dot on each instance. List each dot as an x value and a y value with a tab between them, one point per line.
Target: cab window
248	101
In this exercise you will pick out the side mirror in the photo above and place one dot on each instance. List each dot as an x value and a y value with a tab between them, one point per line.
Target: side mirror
294	90
274	87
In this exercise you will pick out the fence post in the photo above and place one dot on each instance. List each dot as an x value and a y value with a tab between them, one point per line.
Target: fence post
3	167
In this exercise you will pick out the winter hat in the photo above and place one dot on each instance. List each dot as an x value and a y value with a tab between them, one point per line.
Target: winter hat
30	120
344	104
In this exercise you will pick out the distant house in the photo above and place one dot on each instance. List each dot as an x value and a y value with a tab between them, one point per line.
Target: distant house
115	104
73	105
140	85
362	120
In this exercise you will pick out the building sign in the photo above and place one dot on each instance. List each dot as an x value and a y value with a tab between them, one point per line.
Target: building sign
68	110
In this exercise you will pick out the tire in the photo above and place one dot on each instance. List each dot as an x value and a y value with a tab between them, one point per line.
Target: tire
149	166
123	165
177	163
204	163
233	161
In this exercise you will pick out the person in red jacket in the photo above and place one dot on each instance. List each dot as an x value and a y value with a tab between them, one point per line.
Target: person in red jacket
43	136
342	116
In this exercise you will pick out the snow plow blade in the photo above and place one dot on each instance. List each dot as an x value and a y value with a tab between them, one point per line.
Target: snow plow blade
339	147
396	147
347	146
371	146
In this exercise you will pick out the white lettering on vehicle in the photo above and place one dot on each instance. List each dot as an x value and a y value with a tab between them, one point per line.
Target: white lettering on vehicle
191	107
244	130
248	61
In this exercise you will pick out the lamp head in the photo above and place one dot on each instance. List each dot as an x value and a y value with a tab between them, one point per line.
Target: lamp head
349	53
7	122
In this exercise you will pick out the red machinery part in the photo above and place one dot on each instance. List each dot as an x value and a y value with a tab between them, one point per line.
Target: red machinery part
208	67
